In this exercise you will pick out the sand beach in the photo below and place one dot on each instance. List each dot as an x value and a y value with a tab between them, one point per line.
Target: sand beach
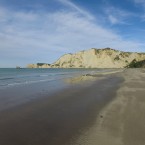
106	111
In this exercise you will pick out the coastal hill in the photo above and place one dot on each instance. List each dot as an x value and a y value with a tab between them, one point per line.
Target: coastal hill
96	58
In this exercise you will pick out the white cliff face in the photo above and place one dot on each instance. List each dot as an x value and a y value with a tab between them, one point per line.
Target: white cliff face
98	58
94	58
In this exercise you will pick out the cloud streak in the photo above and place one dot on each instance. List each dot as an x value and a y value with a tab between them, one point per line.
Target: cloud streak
77	8
118	16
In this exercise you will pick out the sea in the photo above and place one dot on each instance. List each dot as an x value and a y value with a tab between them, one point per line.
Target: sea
10	77
19	86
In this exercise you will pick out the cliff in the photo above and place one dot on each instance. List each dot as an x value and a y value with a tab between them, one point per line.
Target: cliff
97	58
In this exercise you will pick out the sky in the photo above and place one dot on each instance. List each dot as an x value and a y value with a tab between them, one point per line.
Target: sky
34	31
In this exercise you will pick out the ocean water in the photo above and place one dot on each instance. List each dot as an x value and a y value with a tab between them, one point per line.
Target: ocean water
12	77
18	86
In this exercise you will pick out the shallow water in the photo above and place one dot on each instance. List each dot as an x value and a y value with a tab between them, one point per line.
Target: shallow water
19	86
11	77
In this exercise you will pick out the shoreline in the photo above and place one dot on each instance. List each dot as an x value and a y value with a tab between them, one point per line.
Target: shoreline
57	118
19	94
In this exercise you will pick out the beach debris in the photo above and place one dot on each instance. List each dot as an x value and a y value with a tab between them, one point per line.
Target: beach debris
101	116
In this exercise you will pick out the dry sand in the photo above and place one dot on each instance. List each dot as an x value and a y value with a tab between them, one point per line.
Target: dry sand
122	121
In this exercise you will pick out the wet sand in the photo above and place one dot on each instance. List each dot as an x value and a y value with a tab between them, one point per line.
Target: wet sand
61	118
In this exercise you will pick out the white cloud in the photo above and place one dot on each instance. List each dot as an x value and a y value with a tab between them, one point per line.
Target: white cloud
112	19
140	2
24	16
118	16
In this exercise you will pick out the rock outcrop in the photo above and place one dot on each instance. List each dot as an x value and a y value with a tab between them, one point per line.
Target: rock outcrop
95	58
39	65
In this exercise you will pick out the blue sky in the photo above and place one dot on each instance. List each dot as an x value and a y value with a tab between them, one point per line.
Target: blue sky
41	31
